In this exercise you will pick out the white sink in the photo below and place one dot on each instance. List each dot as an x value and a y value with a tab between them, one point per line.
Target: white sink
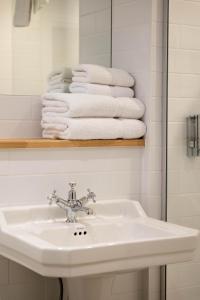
118	237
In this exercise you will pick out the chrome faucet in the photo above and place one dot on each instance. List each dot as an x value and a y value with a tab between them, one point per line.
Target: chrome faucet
73	205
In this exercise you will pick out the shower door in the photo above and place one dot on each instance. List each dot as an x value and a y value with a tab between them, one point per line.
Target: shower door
183	172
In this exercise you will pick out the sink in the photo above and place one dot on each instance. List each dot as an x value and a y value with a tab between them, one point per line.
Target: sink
118	237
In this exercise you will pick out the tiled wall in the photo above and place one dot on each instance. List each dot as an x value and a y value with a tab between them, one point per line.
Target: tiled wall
20	116
111	173
137	47
95	32
183	280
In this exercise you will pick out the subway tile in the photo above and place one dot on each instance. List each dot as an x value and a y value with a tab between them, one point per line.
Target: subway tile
12	109
177	134
152	182
20	129
179	109
184	12
183	205
108	185
184	85
184	61
35	162
131	13
151	160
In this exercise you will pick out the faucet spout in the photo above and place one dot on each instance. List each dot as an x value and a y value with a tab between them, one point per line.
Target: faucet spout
73	205
63	204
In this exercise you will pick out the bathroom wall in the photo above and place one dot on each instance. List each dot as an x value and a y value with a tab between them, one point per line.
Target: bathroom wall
183	280
28	176
137	46
95	32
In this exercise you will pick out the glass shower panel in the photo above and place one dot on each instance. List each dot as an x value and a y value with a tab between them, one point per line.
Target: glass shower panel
183	172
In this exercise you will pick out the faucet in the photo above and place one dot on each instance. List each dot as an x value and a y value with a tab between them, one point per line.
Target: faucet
73	205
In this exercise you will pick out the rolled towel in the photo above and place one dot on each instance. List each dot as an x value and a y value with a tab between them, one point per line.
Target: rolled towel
100	89
59	75
83	105
92	129
98	74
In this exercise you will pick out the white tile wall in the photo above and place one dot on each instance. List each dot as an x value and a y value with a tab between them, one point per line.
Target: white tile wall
111	173
137	47
183	173
95	32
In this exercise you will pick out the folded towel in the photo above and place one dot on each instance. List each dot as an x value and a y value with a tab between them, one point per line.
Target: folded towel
91	129
54	109
101	89
62	114
22	14
58	88
102	75
83	105
60	74
54	119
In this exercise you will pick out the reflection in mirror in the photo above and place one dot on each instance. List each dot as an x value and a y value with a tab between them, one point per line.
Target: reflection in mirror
43	39
61	33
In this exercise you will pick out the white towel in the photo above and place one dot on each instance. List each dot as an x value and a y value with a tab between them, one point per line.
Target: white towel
59	75
101	89
83	105
59	81
102	75
90	129
54	109
61	87
54	119
22	14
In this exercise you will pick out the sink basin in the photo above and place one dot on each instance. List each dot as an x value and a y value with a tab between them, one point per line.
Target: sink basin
118	237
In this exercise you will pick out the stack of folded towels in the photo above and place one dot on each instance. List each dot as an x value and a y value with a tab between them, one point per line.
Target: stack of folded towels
59	81
100	106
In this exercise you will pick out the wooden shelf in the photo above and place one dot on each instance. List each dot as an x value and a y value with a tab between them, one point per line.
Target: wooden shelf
45	143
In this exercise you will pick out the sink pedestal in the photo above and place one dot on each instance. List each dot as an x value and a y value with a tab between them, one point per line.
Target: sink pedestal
88	288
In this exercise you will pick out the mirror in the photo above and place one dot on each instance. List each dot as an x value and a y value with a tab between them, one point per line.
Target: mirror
60	33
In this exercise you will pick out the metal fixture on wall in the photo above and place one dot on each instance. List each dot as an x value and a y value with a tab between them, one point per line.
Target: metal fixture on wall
193	147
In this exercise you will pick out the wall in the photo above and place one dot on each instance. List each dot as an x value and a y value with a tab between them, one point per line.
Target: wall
29	54
95	32
111	173
183	280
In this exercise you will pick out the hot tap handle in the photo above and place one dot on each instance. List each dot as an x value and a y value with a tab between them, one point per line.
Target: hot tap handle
91	195
51	197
